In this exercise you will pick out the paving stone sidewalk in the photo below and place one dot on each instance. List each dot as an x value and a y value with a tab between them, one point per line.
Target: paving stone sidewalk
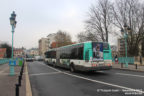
7	82
130	67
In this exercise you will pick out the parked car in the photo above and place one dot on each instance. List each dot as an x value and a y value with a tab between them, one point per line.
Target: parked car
39	58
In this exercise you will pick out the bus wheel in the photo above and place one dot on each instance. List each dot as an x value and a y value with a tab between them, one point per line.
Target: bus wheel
54	65
47	63
72	69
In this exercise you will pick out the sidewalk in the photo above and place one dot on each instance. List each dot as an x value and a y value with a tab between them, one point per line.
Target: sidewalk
130	67
7	82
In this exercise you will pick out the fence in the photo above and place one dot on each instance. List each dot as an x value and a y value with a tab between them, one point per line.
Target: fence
129	60
3	61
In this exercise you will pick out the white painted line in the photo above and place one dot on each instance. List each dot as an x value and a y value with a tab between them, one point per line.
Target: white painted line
100	71
105	83
101	82
52	68
3	70
45	73
130	75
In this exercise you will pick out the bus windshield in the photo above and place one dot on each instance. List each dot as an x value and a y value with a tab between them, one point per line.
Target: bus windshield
105	46
97	51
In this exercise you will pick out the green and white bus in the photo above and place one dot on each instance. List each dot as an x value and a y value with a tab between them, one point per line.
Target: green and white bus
86	56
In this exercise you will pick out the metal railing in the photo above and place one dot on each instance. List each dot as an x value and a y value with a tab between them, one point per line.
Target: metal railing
129	60
3	61
6	60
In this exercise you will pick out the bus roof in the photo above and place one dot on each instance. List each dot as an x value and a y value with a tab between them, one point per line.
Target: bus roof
75	44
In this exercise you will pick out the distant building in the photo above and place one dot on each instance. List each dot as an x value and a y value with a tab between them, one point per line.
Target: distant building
54	45
45	43
34	52
19	52
2	52
121	47
51	41
114	50
43	46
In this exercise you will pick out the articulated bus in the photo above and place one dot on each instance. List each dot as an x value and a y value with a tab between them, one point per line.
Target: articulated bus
86	56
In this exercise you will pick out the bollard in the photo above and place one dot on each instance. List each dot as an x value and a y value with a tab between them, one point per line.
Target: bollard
136	66
22	70
17	90
19	80
121	65
21	73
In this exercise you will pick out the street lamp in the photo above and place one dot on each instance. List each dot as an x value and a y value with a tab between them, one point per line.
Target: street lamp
13	22
124	32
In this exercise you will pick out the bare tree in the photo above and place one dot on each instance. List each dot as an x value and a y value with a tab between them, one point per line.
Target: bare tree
100	18
131	13
81	37
62	38
86	36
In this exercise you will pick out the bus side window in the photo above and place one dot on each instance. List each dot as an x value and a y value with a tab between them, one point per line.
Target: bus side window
87	56
80	53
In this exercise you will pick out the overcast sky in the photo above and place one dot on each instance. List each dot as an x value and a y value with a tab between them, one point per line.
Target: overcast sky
38	18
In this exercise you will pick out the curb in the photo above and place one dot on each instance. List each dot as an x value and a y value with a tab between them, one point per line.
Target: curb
128	69
28	86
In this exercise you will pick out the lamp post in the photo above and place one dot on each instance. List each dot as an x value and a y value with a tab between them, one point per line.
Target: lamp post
13	22
124	32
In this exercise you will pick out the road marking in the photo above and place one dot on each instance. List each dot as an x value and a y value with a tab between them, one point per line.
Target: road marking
3	70
28	86
52	68
45	73
101	82
105	83
130	75
100	71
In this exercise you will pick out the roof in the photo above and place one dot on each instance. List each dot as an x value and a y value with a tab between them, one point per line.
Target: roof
74	44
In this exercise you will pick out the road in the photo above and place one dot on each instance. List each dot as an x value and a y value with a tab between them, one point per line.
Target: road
49	81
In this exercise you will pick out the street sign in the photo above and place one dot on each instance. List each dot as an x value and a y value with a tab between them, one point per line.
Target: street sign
12	62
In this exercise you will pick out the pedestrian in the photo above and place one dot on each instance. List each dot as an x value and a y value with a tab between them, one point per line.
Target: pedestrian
116	59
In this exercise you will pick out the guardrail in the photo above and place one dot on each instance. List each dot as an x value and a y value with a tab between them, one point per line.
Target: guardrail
3	61
129	60
6	60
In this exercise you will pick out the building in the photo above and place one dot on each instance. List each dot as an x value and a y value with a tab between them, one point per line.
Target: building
121	47
34	52
51	40
53	45
2	52
43	46
114	50
45	43
19	52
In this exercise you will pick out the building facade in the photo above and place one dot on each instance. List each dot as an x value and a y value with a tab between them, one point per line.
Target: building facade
34	52
43	46
46	43
19	52
2	53
121	47
114	50
51	40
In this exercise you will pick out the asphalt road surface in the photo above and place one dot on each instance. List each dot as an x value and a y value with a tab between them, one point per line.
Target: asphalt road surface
49	81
